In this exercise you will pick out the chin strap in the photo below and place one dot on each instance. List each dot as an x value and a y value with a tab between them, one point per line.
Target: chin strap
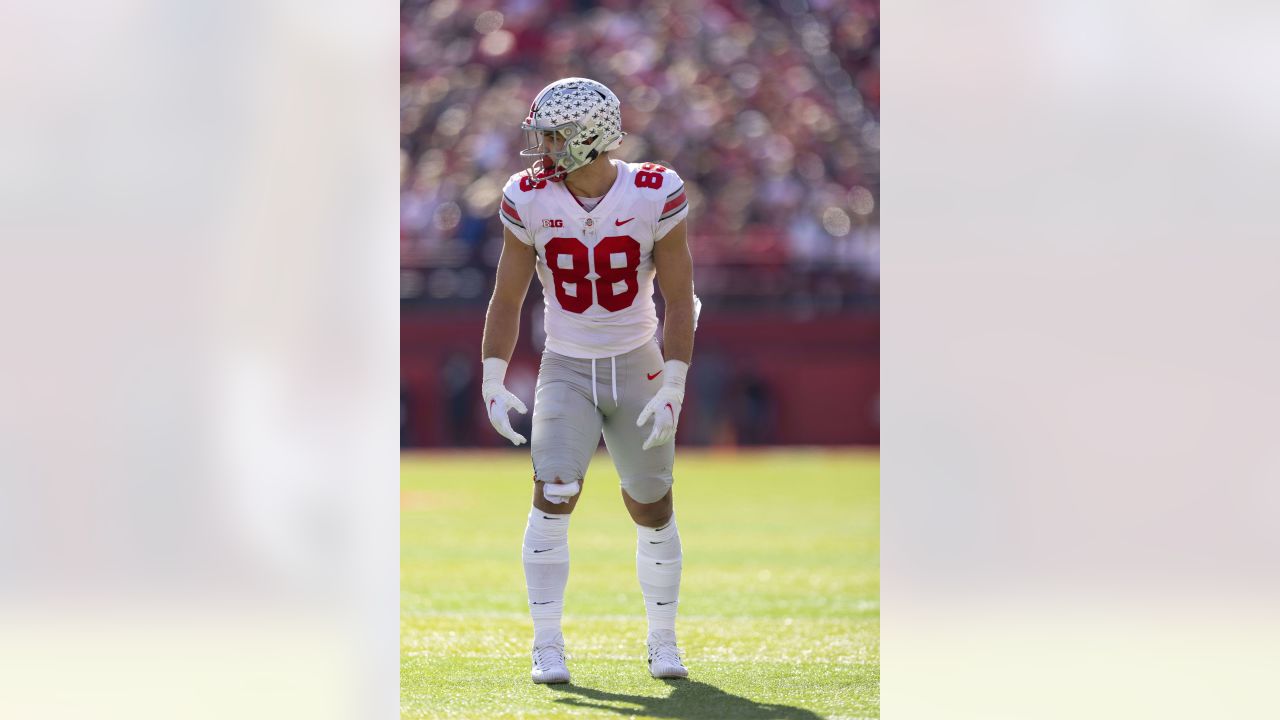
555	174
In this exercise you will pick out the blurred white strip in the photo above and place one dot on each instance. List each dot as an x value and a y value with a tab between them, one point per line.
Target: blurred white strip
1037	656
1080	351
198	439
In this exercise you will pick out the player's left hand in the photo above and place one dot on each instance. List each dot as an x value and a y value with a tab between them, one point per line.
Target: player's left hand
664	407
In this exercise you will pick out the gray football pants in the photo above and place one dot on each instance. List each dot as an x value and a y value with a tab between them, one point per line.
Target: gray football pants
576	399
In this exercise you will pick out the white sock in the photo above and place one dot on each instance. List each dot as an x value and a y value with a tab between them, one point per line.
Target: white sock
658	563
546	572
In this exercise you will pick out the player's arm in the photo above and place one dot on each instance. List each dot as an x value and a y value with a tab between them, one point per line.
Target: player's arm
502	329
502	322
674	266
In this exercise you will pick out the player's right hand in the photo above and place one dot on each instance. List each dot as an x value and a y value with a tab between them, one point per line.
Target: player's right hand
498	400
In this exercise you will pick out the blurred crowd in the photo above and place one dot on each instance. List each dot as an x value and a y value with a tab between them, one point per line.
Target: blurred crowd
768	110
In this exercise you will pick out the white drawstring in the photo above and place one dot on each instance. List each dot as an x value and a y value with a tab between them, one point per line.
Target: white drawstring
594	401
613	376
613	379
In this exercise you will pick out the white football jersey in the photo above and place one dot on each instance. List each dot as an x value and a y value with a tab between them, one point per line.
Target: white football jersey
597	267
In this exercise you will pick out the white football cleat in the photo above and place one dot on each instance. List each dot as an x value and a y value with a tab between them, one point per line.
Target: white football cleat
664	656
548	664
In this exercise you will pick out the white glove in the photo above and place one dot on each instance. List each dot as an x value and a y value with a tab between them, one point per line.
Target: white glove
498	400
664	408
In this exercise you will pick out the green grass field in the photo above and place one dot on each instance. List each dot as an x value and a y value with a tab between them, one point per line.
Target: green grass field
779	604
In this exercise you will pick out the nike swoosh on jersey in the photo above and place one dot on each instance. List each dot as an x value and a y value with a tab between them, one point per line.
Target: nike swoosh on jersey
620	223
547	550
653	375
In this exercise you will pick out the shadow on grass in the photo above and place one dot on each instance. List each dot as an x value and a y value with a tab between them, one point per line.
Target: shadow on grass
689	700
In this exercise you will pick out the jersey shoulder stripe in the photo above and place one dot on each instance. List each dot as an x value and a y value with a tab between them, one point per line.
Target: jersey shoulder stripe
509	207
677	205
509	213
675	200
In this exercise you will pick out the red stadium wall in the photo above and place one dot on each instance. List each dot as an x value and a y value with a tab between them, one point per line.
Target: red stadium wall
756	379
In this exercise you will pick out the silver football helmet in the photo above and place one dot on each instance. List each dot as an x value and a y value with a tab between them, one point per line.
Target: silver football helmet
585	115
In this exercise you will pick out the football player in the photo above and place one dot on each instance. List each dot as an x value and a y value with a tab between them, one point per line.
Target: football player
596	231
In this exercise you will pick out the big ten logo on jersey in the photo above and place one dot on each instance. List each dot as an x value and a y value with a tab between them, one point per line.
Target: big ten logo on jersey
650	176
552	223
527	184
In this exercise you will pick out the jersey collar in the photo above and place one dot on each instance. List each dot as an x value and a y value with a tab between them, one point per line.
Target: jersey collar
571	203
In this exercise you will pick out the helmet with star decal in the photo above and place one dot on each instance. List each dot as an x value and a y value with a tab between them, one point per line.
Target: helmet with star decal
570	123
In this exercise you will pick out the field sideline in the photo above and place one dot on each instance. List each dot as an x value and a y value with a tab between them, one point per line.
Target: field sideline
779	607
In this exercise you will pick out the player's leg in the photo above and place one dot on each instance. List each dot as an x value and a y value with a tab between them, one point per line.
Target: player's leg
659	564
566	432
566	428
646	492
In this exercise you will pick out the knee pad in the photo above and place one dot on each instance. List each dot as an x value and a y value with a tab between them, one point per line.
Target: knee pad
647	488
